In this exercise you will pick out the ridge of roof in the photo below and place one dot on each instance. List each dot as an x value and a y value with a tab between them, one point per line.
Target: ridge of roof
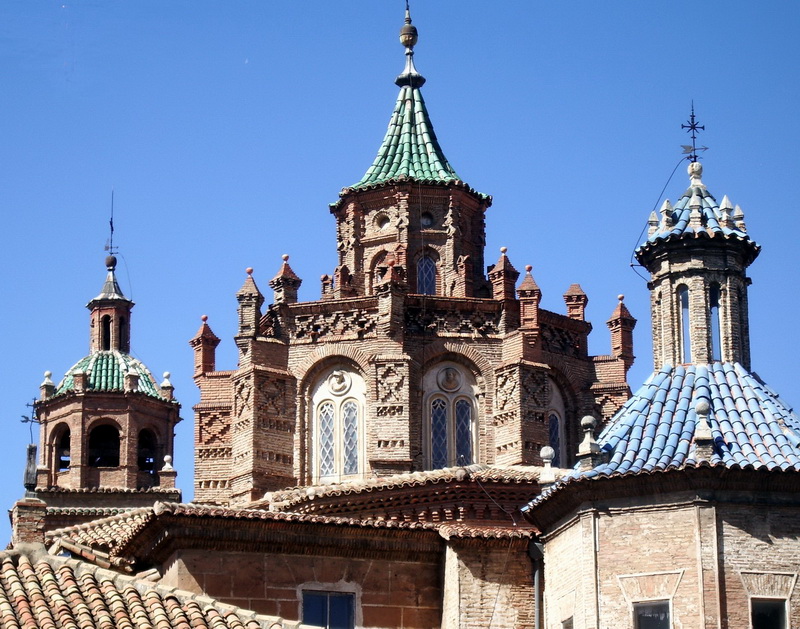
480	472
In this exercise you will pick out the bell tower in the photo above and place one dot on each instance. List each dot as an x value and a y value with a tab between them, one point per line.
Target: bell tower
697	253
106	437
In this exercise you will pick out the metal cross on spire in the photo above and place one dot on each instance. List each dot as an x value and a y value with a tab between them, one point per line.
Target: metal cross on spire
693	128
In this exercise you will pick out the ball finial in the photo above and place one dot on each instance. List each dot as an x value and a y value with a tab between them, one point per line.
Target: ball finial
249	270
408	32
528	268
621	297
702	407
111	262
503	250
204	318
285	257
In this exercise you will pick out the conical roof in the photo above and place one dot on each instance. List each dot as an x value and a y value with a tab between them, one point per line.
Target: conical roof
410	149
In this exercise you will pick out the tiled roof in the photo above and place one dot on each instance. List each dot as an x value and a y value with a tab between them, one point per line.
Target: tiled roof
53	592
655	431
698	215
410	148
481	473
106	372
107	533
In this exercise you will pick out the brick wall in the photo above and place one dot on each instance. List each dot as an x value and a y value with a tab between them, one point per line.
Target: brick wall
388	593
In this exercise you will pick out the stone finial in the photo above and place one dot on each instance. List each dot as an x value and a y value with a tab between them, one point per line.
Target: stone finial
695	171
167	390
703	439
652	224
285	284
621	325
250	301
167	467
204	344
47	388
530	296
738	219
666	215
725	210
547	476
589	449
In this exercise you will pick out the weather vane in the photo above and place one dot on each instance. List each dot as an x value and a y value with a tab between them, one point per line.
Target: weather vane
693	128
110	243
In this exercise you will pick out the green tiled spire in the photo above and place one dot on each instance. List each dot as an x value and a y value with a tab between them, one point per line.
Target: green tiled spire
410	148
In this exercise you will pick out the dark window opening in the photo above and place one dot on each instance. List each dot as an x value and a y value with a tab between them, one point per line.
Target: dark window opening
332	610
62	451
105	327
123	335
148	449
686	328
653	615
554	426
716	337
567	624
768	613
104	447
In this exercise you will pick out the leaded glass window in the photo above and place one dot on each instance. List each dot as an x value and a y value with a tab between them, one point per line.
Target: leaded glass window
350	420
450	405
338	400
326	442
463	432
426	276
438	433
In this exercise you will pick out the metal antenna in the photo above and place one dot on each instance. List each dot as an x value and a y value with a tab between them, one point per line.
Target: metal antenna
110	243
693	128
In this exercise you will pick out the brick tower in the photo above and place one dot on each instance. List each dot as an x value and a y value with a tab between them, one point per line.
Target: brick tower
697	254
107	427
415	358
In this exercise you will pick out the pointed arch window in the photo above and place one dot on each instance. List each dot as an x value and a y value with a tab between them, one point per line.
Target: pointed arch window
338	403
426	275
450	405
686	328
714	295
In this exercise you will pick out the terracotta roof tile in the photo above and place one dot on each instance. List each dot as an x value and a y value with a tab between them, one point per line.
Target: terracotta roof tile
56	593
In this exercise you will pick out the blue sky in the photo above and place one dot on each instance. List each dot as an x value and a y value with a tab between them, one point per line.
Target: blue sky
226	128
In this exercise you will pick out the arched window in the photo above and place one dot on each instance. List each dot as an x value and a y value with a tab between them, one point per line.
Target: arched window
450	405
714	321
426	276
338	402
554	433
104	446
557	437
147	451
122	337
105	327
62	450
686	328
